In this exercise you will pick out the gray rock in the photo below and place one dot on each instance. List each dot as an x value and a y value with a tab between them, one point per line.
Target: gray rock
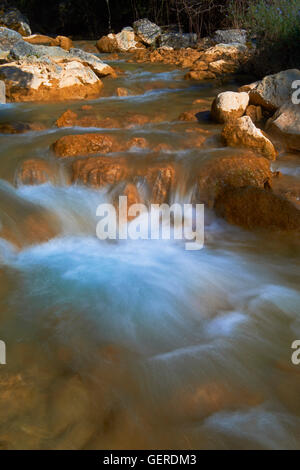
13	19
23	49
97	65
286	125
177	40
2	92
8	38
229	36
147	31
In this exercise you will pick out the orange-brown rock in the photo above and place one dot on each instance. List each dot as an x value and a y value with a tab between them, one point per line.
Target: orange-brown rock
36	171
106	44
137	142
255	113
188	116
256	208
64	42
41	40
29	80
234	171
71	119
133	197
100	171
243	133
85	144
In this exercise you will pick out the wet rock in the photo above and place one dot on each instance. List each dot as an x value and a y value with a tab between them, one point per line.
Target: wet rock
247	88
137	142
71	119
255	113
234	171
285	125
100	171
100	68
177	40
2	92
256	208
43	80
13	19
147	31
200	66
85	144
8	38
188	116
36	171
274	90
244	133
229	36
229	105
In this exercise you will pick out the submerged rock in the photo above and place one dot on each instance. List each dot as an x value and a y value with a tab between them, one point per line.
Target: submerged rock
256	208
244	133
285	125
147	31
44	80
12	18
85	144
36	171
229	105
274	90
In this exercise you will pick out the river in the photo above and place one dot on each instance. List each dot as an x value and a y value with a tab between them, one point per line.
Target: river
141	344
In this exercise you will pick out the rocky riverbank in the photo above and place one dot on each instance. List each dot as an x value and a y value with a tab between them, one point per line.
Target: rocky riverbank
259	119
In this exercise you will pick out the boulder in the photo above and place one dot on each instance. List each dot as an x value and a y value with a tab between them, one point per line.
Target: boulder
147	31
44	80
285	125
235	171
256	208
244	133
36	171
121	42
255	113
229	36
229	105
8	38
195	75
100	68
274	90
12	18
177	40
2	93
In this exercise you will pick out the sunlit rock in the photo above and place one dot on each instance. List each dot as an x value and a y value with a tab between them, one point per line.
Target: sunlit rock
147	31
244	133
229	105
44	80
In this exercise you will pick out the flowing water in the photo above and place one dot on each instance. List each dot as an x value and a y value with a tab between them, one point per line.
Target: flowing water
141	344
